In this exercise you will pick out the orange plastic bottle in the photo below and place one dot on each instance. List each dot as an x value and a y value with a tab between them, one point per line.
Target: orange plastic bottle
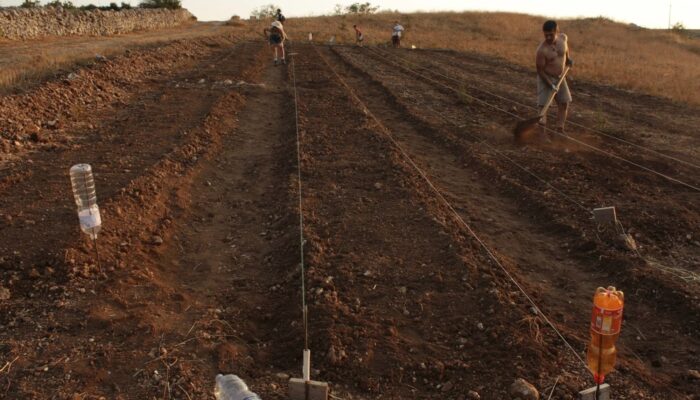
605	329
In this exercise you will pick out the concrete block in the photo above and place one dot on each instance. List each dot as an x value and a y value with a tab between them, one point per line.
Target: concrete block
589	394
298	389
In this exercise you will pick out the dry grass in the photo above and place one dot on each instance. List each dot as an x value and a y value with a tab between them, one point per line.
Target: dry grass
654	62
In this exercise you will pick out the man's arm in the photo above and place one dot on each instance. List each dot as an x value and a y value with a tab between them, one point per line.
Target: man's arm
569	60
541	62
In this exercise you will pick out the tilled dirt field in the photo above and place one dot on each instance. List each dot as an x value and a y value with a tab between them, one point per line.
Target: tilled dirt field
194	148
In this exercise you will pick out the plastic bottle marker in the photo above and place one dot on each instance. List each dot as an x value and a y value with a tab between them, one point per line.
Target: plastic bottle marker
85	196
231	387
606	322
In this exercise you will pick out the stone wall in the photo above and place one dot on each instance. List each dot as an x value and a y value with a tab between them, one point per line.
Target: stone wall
29	23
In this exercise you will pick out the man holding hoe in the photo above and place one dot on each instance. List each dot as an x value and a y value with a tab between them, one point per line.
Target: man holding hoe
552	57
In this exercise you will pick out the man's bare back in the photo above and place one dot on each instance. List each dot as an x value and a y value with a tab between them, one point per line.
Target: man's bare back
553	56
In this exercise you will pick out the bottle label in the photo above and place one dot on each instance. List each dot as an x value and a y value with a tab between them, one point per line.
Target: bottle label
90	218
606	322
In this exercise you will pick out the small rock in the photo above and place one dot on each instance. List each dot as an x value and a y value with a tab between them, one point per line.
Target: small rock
626	241
378	185
392	331
447	387
402	289
34	274
480	326
228	82
156	240
72	76
202	80
333	356
35	136
533	310
100	58
523	390
694	373
5	293
472	395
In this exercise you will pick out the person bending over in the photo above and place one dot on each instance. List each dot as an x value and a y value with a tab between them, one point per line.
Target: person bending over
276	37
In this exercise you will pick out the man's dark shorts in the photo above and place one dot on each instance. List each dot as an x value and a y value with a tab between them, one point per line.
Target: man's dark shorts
275	38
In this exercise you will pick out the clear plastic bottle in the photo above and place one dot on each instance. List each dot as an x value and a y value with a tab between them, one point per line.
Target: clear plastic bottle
231	387
86	199
606	323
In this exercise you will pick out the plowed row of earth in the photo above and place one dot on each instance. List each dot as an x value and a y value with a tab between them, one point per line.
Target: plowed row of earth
194	146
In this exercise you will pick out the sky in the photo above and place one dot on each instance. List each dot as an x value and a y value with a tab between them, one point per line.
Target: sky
647	13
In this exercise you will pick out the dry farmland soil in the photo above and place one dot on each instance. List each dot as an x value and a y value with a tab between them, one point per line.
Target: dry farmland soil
441	258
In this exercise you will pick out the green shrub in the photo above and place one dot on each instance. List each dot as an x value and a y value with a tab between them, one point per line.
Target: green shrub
169	4
30	4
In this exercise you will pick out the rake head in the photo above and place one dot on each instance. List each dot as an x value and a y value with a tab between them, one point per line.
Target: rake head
525	130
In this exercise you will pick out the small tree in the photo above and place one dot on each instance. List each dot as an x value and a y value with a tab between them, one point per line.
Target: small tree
30	4
361	8
678	27
169	4
126	6
264	12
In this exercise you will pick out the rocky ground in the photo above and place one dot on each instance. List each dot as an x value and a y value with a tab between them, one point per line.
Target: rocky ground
194	149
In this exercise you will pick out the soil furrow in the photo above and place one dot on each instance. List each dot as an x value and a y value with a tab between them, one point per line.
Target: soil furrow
581	175
384	254
533	246
128	336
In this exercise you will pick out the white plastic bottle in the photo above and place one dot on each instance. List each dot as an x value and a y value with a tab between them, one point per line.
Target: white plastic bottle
231	387
86	199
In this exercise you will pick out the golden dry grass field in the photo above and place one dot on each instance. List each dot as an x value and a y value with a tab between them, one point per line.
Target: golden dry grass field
656	62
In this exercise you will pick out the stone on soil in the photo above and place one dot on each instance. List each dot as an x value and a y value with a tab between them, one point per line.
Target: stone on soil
523	390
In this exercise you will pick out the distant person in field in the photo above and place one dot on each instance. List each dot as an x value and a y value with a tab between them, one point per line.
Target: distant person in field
552	56
276	37
279	17
359	38
396	34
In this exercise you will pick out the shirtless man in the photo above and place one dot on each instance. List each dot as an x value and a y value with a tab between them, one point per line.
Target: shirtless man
359	37
552	56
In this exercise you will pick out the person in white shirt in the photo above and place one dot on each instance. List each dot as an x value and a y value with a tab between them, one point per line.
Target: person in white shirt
396	34
276	37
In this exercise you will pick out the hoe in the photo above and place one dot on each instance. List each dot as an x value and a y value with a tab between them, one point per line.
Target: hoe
525	128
